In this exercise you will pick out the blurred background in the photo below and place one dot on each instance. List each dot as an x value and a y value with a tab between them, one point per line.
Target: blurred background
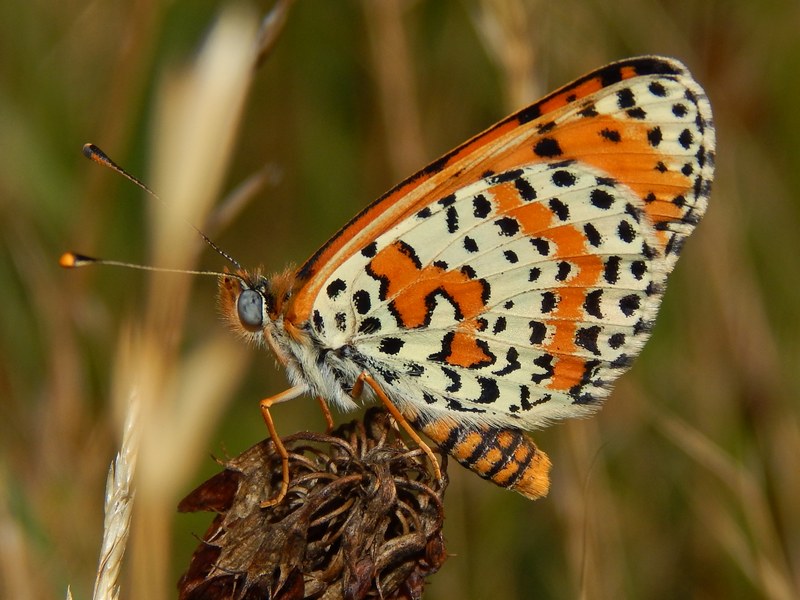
686	485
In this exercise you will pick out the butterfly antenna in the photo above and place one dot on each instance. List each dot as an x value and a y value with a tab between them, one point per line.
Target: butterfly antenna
95	154
73	260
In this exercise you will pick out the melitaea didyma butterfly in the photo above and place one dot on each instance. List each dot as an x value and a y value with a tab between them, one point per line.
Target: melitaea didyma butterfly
509	283
506	285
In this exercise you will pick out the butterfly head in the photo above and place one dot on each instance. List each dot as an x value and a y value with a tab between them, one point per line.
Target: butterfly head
252	303
245	300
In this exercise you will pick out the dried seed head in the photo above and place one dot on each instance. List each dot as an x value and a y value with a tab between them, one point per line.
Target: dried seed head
362	519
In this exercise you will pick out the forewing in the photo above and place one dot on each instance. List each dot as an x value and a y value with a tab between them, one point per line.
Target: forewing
515	279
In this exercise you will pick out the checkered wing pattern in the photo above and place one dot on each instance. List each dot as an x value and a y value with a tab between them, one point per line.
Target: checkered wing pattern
517	298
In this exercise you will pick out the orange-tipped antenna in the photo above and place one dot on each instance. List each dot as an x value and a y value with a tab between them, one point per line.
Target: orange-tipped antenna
95	154
73	260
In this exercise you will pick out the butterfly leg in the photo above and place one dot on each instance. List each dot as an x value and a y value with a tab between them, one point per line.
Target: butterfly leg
326	412
265	405
397	415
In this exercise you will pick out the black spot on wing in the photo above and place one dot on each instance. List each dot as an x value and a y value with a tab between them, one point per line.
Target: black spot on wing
592	303
319	324
657	89
538	332
559	209
452	219
625	98
547	148
626	232
616	340
563	272
636	113
629	304
448	200
528	114
611	269
481	207
592	235
335	287
447	344
362	302
579	396
456	406
525	397
586	337
468	271
545	362
369	325
686	139
499	325
623	361
415	370
526	191
455	379
542	245
509	226
654	136
391	345
549	302
601	198
610	135
470	245
563	178
638	269
370	250
505	176
389	374
511	256
490	391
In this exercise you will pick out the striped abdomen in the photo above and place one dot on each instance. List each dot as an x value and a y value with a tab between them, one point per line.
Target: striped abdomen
504	456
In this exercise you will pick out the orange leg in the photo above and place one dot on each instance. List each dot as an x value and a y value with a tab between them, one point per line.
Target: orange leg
265	405
326	413
398	417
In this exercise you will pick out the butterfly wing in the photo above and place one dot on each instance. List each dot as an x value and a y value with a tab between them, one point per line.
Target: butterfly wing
510	282
522	138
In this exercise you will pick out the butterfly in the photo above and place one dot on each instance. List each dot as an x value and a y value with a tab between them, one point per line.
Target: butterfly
506	285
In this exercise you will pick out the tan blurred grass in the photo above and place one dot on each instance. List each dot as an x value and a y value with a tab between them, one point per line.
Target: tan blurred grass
686	484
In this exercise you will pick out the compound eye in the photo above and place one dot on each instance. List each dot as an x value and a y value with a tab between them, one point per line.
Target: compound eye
250	307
